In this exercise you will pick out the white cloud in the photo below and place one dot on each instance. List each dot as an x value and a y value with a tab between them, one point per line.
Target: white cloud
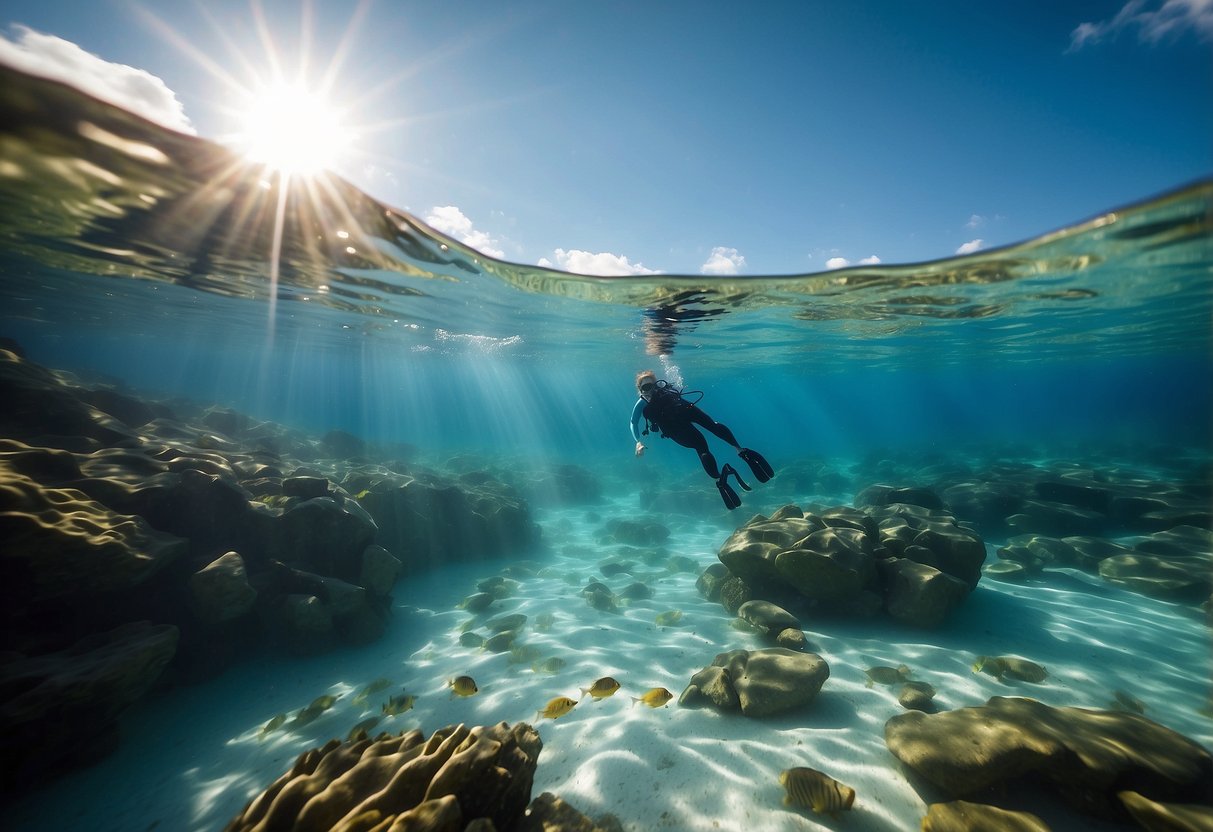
971	246
600	264
842	262
1170	19
61	60
454	223
975	221
723	261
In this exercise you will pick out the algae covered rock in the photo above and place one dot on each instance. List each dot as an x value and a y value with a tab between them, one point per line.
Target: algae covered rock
451	780
758	682
62	708
220	591
1087	755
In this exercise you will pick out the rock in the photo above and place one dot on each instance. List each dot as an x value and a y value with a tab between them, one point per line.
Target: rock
792	639
916	698
307	624
306	487
380	569
709	582
770	617
920	595
883	495
61	709
829	565
733	593
1167	816
1007	570
220	591
322	536
1160	577
474	778
962	816
761	682
62	551
340	444
1087	755
636	532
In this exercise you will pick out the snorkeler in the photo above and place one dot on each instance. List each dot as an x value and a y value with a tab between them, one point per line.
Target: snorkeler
665	410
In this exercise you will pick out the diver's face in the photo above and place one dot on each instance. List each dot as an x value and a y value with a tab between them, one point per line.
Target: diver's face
646	387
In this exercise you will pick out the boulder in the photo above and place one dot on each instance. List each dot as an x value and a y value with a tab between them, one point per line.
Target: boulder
963	816
758	682
220	591
920	595
61	709
769	617
1087	755
380	569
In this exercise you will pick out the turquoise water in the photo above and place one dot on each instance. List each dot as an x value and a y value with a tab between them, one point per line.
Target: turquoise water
144	259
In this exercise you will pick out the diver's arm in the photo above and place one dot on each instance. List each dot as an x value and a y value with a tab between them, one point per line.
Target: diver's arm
637	413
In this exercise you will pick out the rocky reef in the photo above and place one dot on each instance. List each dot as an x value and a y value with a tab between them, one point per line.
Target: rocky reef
235	535
459	778
1091	758
917	564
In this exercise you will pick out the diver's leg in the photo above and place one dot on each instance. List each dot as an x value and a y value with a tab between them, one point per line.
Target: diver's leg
691	438
716	428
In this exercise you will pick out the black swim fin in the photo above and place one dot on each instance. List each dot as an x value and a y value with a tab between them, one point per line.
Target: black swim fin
731	500
761	468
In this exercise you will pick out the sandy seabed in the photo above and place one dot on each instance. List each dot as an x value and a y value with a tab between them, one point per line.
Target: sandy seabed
192	757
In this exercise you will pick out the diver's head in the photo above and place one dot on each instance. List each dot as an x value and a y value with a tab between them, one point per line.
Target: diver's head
646	382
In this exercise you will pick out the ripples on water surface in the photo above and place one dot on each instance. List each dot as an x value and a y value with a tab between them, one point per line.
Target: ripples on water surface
96	200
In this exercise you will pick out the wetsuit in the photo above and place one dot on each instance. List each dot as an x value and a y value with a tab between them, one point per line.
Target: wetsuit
675	418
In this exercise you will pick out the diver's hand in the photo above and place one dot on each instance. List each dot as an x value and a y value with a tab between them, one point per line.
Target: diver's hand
639	449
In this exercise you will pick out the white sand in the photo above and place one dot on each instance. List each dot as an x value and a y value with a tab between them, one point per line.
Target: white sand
192	758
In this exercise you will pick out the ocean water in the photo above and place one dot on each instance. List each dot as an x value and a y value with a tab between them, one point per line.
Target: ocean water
158	265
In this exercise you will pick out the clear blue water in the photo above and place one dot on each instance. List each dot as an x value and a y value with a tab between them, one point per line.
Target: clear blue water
145	260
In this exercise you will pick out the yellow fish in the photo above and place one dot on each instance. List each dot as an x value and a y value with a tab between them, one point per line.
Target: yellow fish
362	494
654	697
556	708
399	704
363	728
464	686
668	619
273	725
812	789
1010	667
887	675
602	688
363	695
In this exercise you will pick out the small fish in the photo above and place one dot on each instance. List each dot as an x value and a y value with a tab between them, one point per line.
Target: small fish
363	728
362	494
616	568
273	725
556	708
374	687
488	583
668	619
464	686
1010	667
553	665
602	688
882	675
398	704
470	639
476	603
1123	701
323	703
524	654
501	642
654	697
601	601
812	789
502	623
544	622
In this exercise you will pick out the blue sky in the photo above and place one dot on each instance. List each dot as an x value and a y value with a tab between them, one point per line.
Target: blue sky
696	137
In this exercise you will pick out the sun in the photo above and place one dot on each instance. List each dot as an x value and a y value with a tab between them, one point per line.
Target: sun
291	129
